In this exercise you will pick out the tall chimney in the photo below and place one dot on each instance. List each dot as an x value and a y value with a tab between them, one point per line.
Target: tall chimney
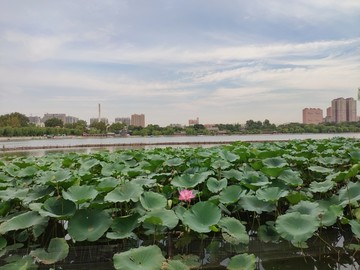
99	114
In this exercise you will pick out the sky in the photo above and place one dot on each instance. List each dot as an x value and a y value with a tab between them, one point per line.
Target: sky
175	60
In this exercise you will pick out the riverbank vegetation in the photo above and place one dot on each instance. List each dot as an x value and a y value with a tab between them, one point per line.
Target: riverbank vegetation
17	125
159	203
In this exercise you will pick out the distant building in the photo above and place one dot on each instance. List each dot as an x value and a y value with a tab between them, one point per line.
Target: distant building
138	120
343	110
312	116
123	120
194	121
95	120
71	120
61	116
36	120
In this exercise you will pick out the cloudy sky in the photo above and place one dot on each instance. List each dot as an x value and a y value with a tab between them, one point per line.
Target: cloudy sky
174	60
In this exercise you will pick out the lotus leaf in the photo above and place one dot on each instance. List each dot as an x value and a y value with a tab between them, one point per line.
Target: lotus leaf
329	161
124	193
355	227
89	224
174	162
220	164
231	194
291	177
51	177
58	250
123	227
215	185
107	184
233	174
355	155
87	165
242	262
151	200
38	193
353	171
254	179
162	217
306	207
22	221
5	208
252	203
24	263
296	227
349	194
267	233
110	169
274	162
175	265
27	172
58	207
191	260
228	156
3	243
201	216
80	194
142	258
321	187
330	213
190	180
296	197
235	229
320	169
13	193
271	194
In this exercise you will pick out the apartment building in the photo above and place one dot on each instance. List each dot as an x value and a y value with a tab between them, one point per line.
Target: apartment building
137	120
312	116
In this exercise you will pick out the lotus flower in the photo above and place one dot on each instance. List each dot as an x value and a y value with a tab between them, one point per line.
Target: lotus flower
186	195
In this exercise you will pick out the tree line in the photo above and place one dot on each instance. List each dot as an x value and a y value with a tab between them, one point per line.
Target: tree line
18	125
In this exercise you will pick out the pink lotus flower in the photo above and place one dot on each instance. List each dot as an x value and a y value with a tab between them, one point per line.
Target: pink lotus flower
186	195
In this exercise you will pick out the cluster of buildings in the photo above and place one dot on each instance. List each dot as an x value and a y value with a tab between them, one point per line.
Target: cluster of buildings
341	110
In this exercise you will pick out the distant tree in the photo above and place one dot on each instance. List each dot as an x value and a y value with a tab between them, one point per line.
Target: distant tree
99	126
116	127
54	122
14	120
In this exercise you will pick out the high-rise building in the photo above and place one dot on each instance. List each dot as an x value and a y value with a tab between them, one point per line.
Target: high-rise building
71	120
312	116
138	120
123	120
351	110
61	116
194	121
343	110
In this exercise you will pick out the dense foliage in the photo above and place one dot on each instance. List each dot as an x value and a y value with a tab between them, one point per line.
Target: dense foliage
274	191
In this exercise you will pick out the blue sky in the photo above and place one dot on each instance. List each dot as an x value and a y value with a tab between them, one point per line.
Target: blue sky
174	60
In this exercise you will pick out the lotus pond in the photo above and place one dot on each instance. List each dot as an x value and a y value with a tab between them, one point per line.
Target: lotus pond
237	206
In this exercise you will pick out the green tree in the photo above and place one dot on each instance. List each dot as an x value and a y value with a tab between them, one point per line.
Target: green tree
14	120
54	122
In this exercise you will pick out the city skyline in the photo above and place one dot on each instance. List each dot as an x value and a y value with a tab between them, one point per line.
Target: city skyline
224	62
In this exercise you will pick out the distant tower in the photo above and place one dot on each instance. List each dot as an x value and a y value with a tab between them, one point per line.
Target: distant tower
359	93
99	113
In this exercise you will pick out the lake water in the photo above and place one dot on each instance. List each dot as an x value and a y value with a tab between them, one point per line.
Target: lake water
88	144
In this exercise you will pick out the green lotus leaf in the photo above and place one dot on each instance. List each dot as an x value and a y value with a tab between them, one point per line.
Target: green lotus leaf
252	203
173	162
151	200
5	208
58	207
353	171
349	194
22	221
27	172
14	193
142	258
235	229
125	193
290	177
273	171
180	211
87	165
329	161
355	155
296	227
88	224
321	187
306	208
274	162
337	177
267	233
58	250
231	194
190	180
38	193
51	177
220	164
107	184
175	265
191	260
232	174
3	242
320	169
123	227
330	213
80	194
162	217
201	216
109	169
24	263
355	227
242	262
271	194
254	179
296	197
227	155
215	185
